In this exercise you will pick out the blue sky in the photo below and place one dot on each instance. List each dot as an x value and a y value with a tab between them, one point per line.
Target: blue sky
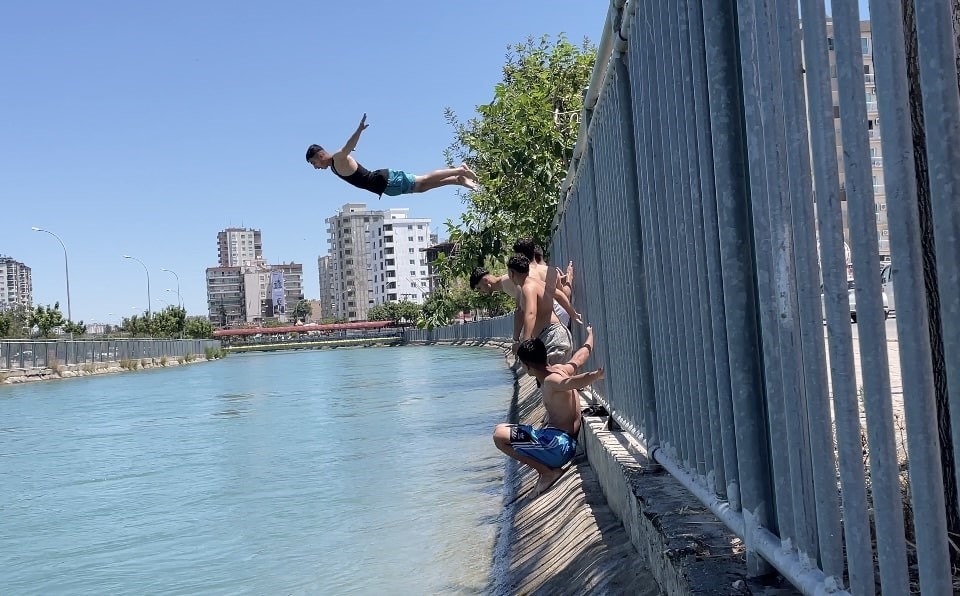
145	128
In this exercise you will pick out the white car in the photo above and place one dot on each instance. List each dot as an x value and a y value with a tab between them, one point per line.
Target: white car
852	296
886	281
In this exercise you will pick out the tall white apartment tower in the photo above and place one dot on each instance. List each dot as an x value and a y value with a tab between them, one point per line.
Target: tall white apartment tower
238	247
350	234
400	271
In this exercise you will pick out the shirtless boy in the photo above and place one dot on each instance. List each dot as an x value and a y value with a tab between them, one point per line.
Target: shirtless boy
388	182
534	316
539	267
487	283
549	448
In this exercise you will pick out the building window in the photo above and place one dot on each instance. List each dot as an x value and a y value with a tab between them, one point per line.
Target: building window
410	250
409	238
865	45
423	272
420	227
413	284
388	227
391	296
829	43
419	238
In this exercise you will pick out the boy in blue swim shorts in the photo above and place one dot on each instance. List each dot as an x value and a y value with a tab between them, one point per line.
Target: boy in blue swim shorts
549	448
385	181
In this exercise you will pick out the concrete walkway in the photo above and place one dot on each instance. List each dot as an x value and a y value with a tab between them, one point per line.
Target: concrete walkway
567	541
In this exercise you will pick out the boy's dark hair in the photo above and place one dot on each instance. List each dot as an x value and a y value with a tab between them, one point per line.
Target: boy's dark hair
519	264
532	351
524	246
537	253
313	150
475	277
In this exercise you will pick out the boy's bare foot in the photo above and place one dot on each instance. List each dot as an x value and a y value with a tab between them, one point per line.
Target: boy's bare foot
466	182
546	481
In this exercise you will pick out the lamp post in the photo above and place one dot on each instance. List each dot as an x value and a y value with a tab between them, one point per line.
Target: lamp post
179	299
148	280
66	266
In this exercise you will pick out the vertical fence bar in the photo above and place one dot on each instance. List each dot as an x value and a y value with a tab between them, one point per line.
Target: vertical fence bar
639	322
792	182
666	348
722	406
884	473
669	90
722	52
937	57
820	455
693	247
761	144
939	86
831	250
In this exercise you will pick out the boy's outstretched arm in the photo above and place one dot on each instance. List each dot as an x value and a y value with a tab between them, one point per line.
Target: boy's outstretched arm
354	138
581	356
579	381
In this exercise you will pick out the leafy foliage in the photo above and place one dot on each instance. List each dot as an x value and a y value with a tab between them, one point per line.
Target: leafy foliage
14	322
170	322
398	312
75	329
46	319
198	328
520	145
302	311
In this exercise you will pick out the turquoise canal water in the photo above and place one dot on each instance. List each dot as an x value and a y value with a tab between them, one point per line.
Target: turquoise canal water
364	471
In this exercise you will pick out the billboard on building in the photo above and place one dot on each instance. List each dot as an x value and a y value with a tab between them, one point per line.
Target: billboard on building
278	301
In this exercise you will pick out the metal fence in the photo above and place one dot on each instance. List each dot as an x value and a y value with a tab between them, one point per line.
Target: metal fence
17	354
498	328
704	211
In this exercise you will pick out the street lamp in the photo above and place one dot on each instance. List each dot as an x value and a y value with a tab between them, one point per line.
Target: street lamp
66	267
179	300
148	280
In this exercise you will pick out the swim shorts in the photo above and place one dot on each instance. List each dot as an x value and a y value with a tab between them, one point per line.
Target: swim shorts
550	446
399	183
559	343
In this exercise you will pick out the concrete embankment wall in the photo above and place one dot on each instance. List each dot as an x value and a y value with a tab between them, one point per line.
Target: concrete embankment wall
615	523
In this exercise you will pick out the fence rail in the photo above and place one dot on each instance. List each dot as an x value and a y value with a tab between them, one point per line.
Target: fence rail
18	354
704	213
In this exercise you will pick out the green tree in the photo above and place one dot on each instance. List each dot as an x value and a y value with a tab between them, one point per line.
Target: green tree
6	323
520	145
14	321
75	329
46	319
379	312
198	328
302	310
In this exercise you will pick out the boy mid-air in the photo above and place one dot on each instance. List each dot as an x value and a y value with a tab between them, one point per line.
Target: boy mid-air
385	181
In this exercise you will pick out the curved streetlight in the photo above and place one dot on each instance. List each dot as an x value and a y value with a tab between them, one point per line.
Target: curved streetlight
66	266
179	299
148	280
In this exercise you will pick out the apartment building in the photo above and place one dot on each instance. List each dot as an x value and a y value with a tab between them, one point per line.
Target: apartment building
237	247
241	293
400	272
324	308
16	284
375	257
873	131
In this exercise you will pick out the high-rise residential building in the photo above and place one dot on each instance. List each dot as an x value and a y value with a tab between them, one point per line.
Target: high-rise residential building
873	132
351	259
370	259
240	292
327	290
237	247
292	286
16	284
402	274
